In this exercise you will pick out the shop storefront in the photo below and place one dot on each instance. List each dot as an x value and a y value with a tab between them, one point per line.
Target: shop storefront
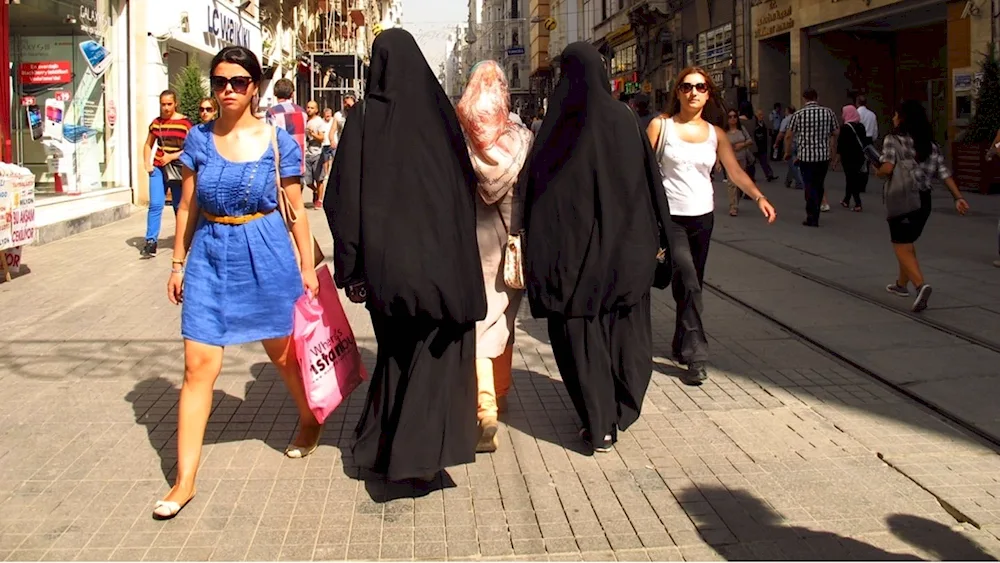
177	34
68	75
887	50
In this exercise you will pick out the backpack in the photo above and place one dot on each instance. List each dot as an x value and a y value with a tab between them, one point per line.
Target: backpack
901	194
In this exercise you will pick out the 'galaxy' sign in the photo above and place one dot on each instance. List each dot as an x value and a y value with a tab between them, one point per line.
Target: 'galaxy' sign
227	28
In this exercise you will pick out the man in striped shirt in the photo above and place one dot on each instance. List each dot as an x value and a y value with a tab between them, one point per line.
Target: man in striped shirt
289	115
814	128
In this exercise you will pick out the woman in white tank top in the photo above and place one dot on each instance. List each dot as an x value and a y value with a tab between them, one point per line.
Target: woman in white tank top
688	147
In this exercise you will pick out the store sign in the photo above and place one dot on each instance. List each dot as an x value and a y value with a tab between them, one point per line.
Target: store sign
774	21
61	96
46	72
228	27
17	210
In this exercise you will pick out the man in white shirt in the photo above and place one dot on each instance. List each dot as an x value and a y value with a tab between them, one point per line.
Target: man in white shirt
313	177
868	119
327	158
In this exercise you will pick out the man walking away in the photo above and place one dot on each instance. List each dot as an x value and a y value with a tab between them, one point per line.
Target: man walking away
315	134
814	127
793	172
287	114
774	120
868	119
536	124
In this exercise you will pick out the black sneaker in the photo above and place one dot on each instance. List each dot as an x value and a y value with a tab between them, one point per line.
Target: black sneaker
602	447
923	295
696	374
151	248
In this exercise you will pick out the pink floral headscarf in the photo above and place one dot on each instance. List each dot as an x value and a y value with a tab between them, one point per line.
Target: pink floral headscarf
497	145
850	114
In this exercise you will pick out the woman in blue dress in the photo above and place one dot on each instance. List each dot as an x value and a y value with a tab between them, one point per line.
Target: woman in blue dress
234	267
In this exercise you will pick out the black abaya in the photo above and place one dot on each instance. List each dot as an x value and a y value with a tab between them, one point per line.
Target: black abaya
595	214
402	212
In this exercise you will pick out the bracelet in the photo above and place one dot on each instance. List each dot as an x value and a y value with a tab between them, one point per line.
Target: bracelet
762	196
177	271
176	261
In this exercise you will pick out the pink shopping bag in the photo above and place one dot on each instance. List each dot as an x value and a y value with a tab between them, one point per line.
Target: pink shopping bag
329	359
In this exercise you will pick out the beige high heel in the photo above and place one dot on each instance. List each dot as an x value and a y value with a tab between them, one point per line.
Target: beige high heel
167	509
299	452
488	442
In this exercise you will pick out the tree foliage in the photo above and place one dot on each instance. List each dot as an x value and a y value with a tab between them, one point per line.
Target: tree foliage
190	87
986	119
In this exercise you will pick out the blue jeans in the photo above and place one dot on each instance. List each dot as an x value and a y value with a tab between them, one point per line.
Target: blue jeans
158	187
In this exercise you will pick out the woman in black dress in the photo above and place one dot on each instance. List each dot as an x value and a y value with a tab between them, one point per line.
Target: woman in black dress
851	145
402	211
594	217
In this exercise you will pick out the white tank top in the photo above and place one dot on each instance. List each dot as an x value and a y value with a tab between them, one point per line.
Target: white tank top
686	169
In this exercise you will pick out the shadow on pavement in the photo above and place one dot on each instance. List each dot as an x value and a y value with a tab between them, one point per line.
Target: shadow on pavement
936	539
743	527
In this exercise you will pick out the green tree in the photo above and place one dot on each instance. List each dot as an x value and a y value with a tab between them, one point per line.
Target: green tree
190	87
986	120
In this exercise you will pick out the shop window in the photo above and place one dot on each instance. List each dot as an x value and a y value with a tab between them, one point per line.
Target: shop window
515	76
67	72
623	59
715	45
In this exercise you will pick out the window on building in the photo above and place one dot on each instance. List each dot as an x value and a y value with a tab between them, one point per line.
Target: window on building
623	59
605	9
621	4
588	17
689	55
515	39
715	45
515	76
515	9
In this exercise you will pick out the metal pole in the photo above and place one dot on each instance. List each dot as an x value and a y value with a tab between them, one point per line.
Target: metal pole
312	76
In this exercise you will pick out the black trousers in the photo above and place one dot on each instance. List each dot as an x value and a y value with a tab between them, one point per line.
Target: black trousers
814	177
606	363
856	183
689	251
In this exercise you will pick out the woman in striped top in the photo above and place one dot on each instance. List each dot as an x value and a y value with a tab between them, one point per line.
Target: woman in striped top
168	132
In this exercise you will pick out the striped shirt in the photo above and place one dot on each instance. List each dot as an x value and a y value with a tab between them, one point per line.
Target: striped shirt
812	126
170	135
292	118
900	147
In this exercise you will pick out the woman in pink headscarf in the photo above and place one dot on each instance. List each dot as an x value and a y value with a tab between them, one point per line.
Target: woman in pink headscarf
498	147
851	153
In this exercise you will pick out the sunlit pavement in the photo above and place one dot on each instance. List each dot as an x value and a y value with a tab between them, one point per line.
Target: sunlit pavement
786	452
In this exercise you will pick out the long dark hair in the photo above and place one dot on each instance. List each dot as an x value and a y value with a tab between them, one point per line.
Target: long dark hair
913	123
715	110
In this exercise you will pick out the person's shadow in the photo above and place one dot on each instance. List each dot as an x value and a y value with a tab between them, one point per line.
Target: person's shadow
756	533
155	402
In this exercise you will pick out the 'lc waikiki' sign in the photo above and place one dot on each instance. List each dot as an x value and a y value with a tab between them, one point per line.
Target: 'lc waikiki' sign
227	28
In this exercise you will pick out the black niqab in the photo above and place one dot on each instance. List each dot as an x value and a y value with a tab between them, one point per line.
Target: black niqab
594	206
401	202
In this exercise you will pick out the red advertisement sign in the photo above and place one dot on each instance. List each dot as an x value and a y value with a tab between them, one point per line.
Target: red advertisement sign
28	101
46	72
61	96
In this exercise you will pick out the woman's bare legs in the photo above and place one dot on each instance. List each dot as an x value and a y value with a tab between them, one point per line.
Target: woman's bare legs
202	364
282	354
909	266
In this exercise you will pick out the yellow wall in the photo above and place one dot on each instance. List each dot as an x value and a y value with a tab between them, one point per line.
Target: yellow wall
538	46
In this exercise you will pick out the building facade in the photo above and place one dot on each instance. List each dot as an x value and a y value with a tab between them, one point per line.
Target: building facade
886	49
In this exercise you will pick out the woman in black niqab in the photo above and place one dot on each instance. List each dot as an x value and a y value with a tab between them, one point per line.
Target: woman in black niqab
402	214
594	210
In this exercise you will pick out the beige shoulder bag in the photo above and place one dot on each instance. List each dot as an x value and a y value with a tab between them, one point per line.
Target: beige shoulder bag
288	212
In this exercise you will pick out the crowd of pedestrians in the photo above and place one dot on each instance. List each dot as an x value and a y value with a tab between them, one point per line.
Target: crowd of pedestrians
423	199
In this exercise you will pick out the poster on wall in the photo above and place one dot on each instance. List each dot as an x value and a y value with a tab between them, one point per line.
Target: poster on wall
72	124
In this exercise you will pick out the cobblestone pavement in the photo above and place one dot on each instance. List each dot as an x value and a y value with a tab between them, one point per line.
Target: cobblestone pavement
784	453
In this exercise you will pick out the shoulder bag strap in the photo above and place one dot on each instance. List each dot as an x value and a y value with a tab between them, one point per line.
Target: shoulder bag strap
661	141
288	213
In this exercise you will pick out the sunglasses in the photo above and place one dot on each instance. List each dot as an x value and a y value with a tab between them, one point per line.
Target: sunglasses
732	116
239	83
686	87
206	109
